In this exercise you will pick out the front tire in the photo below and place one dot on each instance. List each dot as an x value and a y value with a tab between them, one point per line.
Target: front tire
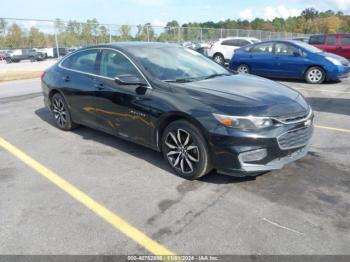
185	148
61	113
315	75
219	58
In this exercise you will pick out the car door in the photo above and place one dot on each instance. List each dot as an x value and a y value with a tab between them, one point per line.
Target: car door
289	60
78	85
260	59
122	109
228	47
344	46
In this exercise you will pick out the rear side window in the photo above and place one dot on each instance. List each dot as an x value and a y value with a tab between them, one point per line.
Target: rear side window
331	40
345	40
84	61
243	42
317	40
232	42
262	48
114	63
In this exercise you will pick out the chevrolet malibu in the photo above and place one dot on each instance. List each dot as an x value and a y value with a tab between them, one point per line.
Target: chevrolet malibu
174	100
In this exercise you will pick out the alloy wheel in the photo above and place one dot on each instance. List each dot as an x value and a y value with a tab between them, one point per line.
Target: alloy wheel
243	69
182	152
315	75
218	59
59	111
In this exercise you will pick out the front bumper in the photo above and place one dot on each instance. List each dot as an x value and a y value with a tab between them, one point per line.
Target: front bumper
275	164
226	149
338	72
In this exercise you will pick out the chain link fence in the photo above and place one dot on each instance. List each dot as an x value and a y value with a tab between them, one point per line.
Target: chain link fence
58	35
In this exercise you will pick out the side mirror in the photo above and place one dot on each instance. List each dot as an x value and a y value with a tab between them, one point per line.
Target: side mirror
130	80
296	53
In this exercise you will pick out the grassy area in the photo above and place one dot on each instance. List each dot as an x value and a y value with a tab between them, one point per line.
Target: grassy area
17	75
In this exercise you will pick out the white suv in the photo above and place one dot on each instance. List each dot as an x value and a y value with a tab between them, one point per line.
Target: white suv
222	50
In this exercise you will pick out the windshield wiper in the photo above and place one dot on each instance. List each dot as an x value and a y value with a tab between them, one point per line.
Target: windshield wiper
216	75
191	79
181	80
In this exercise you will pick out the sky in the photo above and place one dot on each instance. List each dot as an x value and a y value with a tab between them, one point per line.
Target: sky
158	12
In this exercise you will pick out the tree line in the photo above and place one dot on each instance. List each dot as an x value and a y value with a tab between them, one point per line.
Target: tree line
73	33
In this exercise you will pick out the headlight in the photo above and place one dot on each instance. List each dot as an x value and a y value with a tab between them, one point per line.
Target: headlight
333	60
244	122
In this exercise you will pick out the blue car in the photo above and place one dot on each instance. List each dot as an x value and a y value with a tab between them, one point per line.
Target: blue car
290	59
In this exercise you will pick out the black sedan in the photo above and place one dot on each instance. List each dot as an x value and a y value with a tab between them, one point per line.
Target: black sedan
174	100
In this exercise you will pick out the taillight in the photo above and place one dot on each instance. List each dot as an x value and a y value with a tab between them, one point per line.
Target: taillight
42	75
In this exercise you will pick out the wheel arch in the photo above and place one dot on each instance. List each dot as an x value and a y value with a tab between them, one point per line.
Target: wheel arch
218	53
55	91
315	65
170	117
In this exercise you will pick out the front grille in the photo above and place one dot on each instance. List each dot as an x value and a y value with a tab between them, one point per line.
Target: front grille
293	117
295	138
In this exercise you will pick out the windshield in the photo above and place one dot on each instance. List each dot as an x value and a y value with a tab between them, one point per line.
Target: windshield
309	48
173	64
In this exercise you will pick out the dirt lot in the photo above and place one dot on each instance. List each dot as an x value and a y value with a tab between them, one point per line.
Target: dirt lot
301	209
23	70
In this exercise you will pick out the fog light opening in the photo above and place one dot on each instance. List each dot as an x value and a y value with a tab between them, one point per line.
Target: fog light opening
254	155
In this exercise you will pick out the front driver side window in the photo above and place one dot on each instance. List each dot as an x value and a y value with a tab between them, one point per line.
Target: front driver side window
114	63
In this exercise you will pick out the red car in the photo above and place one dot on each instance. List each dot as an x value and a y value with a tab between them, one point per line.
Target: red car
338	44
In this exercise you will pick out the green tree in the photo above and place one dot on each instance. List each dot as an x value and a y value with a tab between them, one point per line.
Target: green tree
125	32
3	25
145	32
14	37
36	38
309	13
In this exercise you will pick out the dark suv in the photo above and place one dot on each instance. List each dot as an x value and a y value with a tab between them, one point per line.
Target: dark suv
18	55
338	44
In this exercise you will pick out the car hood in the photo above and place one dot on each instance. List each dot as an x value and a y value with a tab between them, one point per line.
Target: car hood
246	95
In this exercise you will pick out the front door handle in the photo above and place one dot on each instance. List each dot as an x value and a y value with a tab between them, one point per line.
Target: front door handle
99	86
66	78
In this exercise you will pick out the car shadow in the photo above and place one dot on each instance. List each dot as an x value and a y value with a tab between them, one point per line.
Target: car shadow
302	81
330	105
153	157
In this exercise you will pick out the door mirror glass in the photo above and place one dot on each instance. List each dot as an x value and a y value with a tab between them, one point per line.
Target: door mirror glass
130	80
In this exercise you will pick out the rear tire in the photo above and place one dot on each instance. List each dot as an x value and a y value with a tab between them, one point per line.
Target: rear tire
186	150
8	60
219	58
243	69
61	113
315	75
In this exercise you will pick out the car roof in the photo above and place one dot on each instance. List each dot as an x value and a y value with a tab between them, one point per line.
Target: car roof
335	34
290	41
238	37
131	45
